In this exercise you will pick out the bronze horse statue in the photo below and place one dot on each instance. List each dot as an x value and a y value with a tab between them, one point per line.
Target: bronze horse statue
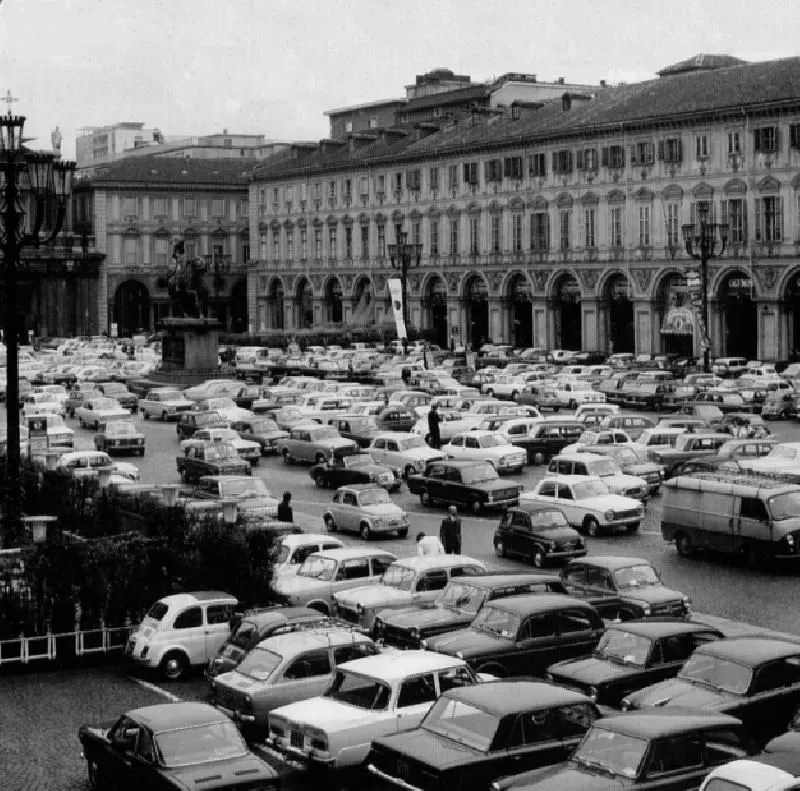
187	285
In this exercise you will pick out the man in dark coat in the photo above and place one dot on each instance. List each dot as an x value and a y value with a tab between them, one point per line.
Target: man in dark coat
450	532
433	427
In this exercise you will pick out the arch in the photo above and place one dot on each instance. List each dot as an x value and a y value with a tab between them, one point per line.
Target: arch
768	184
734	187
539	203
304	303
434	211
516	203
607	276
717	282
398	216
789	294
615	291
643	194
510	281
238	306
672	302
473	207
363	302
519	298
331	220
703	191
333	297
414	214
556	280
495	207
566	298
131	307
673	192
615	196
475	296
564	200
590	199
363	218
434	309
661	278
738	315
474	283
275	285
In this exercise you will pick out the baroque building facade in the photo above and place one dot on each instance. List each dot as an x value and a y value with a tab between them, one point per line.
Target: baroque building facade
555	224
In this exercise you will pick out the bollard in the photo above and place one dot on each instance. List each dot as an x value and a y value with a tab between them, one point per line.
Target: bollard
230	511
38	526
169	495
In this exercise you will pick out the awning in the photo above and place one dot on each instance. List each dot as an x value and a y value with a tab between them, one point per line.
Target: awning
679	321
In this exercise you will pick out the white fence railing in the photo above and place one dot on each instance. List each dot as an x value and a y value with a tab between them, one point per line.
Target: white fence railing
81	642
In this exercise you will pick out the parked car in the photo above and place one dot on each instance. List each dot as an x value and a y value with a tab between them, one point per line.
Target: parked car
325	573
76	398
367	509
538	533
247	450
469	484
88	463
755	679
119	436
169	745
688	446
602	467
124	397
633	460
181	631
94	411
250	493
486	446
313	443
784	458
745	774
408	453
165	403
285	668
262	430
543	439
369	698
587	503
396	417
292	550
209	458
412	580
632	656
646	750
475	734
524	635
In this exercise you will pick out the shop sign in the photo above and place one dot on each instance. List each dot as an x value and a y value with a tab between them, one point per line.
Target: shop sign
569	291
679	321
737	286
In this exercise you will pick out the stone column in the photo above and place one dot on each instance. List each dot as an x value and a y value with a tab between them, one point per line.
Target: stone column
289	321
591	329
767	314
644	316
497	330
541	322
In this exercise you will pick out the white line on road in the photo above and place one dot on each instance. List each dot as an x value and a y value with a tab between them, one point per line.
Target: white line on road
155	688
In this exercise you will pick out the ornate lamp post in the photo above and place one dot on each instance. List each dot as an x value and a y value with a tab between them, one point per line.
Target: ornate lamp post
702	239
403	257
45	179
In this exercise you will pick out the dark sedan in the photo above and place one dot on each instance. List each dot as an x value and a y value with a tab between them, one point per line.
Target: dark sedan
189	422
473	735
262	430
631	656
524	635
172	745
119	436
396	418
755	679
539	534
358	468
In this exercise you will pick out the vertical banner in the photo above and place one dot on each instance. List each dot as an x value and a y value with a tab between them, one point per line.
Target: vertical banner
396	294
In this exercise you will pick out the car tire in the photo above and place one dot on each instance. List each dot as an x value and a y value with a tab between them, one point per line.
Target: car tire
684	545
591	526
164	416
287	457
538	558
365	532
330	524
475	505
425	498
95	778
319	480
538	457
402	533
490	393
500	549
174	666
634	528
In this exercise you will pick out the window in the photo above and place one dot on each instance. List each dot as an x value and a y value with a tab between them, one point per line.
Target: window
434	237
492	170
516	233
769	219
673	218
496	233
348	242
348	126
537	166
161	250
586	159
348	190
309	666
131	252
416	232
275	195
364	188
433	179
189	619
455	677
474	235
332	189
734	214
414	180
318	243
454	237
564	221
701	147
373	122
589	227
217	207
615	236
512	168
765	140
734	143
381	241
670	150
536	627
331	241
219	613
303	244
471	173
144	748
642	153
753	508
289	244
129	206
417	691
347	653
613	157
547	489
452	176
569	621
159	207
276	245
562	161
677	753
540	232
397	183
365	241
356	568
644	225
434	580
189	207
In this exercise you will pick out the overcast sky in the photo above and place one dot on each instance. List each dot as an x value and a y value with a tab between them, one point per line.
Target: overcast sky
194	67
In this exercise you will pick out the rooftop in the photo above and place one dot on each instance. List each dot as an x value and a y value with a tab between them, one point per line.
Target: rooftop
514	695
665	722
176	716
655	628
176	171
538	602
397	665
751	651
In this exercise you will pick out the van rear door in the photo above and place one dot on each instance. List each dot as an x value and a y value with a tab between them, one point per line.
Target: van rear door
751	525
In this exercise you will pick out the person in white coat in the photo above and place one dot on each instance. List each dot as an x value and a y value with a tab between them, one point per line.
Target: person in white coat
429	545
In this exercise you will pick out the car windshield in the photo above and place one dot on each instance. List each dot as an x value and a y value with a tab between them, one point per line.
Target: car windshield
785	506
360	691
611	752
462	597
250	487
492	441
621	646
400	577
214	741
781	452
477	473
636	576
500	623
548	520
226	434
170	395
259	664
244	634
376	496
317	568
586	489
220	451
602	467
412	442
324	433
105	403
282	555
263	426
121	428
712	671
462	723
630	456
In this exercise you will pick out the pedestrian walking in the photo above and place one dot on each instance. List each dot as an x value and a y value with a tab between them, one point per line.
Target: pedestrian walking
428	545
434	438
285	509
450	532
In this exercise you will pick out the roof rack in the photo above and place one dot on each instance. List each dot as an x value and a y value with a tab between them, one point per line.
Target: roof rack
744	477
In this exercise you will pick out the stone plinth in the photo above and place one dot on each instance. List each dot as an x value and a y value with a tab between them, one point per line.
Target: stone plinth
189	349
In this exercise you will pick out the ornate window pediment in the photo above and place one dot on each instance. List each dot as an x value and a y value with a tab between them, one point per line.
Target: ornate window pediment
616	196
672	193
769	184
590	199
703	191
644	195
735	187
564	201
539	203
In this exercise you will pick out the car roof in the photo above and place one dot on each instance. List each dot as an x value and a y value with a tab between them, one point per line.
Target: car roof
346	553
196	597
576	455
538	602
493	579
290	643
666	721
461	463
513	695
612	561
424	562
655	628
298	539
751	651
399	665
555	477
359	487
283	615
176	716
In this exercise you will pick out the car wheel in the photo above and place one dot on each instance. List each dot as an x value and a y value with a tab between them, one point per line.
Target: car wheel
490	393
684	545
164	416
538	457
174	666
365	532
95	779
319	479
591	526
573	404
287	457
409	470
538	558
425	498
475	505
500	549
514	394
402	533
633	528
330	525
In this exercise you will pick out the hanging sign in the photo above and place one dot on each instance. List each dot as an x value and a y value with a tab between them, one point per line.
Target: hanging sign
396	295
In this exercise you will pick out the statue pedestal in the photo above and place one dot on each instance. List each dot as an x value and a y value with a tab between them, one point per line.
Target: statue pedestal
189	349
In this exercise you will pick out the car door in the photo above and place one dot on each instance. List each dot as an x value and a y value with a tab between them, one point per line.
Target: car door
456	491
428	585
751	526
348	511
414	698
143	760
378	450
456	449
577	631
435	481
218	629
565	501
519	534
393	455
535	647
351	573
772	699
190	633
534	739
472	448
675	762
306	676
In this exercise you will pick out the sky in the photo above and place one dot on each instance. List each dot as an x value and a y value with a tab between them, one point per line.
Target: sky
272	67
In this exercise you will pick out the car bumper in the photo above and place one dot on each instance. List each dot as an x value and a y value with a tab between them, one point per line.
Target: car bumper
303	757
566	554
236	715
391	779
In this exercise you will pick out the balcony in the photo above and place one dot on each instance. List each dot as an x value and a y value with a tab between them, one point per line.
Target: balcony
223	264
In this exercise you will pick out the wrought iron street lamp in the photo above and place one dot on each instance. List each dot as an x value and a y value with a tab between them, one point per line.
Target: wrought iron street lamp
704	241
44	179
404	256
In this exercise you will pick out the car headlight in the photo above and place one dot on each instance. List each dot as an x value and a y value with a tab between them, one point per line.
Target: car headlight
592	691
609	516
414	633
789	540
459	654
646	609
423	644
640	510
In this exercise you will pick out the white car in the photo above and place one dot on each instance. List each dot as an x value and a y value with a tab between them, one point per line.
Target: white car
212	388
43	406
569	394
747	775
505	386
251	451
451	422
600	467
587	503
59	435
369	698
182	631
486	446
86	463
483	409
292	550
166	403
95	411
783	458
407	582
225	407
596	409
406	452
599	437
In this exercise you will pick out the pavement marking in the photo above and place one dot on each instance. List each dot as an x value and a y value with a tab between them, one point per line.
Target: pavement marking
155	688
